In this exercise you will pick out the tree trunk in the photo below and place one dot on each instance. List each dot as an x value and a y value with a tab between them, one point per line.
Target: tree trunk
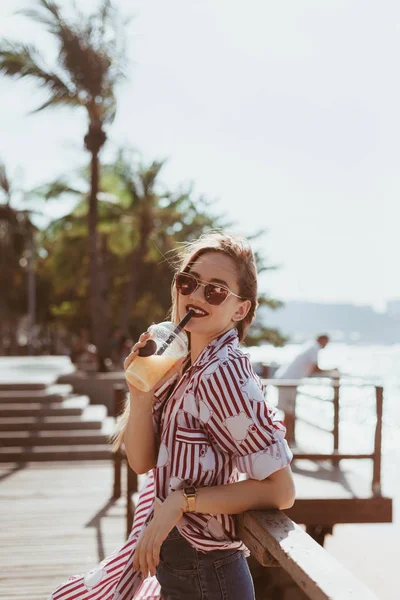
99	308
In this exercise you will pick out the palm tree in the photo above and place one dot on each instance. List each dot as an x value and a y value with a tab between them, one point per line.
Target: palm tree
90	63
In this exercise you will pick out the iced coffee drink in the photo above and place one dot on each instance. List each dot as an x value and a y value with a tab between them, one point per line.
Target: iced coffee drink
145	371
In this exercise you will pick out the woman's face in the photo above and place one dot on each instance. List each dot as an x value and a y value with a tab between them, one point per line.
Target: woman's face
211	321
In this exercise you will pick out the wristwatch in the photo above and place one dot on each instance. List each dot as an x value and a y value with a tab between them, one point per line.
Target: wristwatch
190	494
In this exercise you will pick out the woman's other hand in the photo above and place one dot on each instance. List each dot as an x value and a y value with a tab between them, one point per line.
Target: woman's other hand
166	516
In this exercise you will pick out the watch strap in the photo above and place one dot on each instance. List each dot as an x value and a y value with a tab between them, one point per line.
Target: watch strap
190	494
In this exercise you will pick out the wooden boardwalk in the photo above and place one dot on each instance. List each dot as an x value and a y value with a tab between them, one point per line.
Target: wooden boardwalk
56	520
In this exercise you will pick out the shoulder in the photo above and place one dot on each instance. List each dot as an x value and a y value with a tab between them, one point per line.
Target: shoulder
233	364
313	349
232	376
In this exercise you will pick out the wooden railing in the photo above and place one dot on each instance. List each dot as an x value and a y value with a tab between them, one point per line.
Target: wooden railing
276	541
335	456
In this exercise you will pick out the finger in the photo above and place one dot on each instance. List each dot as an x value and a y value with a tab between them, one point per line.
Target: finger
138	549
149	560
152	554
135	563
156	555
135	349
143	559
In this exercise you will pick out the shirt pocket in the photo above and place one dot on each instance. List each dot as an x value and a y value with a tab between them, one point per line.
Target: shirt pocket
191	446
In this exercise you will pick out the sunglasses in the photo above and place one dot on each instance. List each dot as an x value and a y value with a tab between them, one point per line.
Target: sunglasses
214	293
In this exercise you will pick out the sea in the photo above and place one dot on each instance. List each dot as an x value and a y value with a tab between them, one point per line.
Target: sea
361	367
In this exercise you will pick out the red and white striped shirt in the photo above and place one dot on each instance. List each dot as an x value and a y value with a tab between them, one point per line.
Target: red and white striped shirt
213	427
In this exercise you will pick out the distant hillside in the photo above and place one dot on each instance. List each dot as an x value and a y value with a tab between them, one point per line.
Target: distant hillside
344	322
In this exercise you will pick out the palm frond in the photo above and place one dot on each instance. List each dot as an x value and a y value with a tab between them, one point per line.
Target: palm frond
23	60
46	13
55	189
104	15
58	99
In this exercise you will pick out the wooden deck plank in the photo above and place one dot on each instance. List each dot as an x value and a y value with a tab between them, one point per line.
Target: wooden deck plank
323	480
56	520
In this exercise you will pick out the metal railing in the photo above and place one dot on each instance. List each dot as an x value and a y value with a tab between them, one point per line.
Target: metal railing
335	456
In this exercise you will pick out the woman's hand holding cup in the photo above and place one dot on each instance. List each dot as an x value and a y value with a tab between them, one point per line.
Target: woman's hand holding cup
151	364
134	391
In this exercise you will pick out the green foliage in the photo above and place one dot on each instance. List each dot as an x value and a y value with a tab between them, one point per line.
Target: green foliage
17	234
141	224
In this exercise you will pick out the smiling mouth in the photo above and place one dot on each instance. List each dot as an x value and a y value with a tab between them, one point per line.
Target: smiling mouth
198	312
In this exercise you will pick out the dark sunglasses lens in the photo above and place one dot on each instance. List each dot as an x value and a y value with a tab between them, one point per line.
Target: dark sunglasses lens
214	294
185	284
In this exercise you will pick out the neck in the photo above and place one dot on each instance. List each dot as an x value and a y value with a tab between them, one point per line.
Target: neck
199	342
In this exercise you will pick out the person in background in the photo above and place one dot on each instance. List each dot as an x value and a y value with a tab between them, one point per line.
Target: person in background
304	364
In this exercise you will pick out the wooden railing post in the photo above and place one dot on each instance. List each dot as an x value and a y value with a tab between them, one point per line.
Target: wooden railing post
336	388
376	478
118	408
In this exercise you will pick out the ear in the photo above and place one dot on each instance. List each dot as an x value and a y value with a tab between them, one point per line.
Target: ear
242	310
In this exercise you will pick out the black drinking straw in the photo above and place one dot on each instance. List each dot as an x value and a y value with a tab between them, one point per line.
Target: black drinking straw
175	332
150	346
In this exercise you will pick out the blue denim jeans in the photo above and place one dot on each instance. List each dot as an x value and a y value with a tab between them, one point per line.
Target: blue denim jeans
186	574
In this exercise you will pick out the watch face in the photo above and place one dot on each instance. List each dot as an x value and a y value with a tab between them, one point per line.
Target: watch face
190	491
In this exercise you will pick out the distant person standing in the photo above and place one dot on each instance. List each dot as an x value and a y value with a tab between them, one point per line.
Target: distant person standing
305	364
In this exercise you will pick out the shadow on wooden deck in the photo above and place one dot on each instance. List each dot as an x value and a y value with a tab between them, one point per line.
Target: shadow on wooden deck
57	520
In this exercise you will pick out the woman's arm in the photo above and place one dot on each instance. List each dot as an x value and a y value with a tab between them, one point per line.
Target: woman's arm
139	436
276	491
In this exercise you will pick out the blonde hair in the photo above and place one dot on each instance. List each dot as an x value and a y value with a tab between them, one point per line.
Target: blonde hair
239	250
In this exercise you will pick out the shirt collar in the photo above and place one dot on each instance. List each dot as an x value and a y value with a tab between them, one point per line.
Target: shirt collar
217	347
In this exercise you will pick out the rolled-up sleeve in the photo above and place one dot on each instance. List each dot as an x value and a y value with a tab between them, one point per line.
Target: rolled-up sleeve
239	421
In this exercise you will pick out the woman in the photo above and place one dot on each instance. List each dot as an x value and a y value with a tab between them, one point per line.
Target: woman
197	432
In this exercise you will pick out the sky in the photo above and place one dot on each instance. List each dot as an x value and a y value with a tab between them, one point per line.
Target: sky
286	114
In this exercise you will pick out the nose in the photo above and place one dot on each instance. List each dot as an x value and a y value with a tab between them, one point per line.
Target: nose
199	292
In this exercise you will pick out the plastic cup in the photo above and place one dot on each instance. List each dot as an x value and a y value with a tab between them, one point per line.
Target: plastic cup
145	371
